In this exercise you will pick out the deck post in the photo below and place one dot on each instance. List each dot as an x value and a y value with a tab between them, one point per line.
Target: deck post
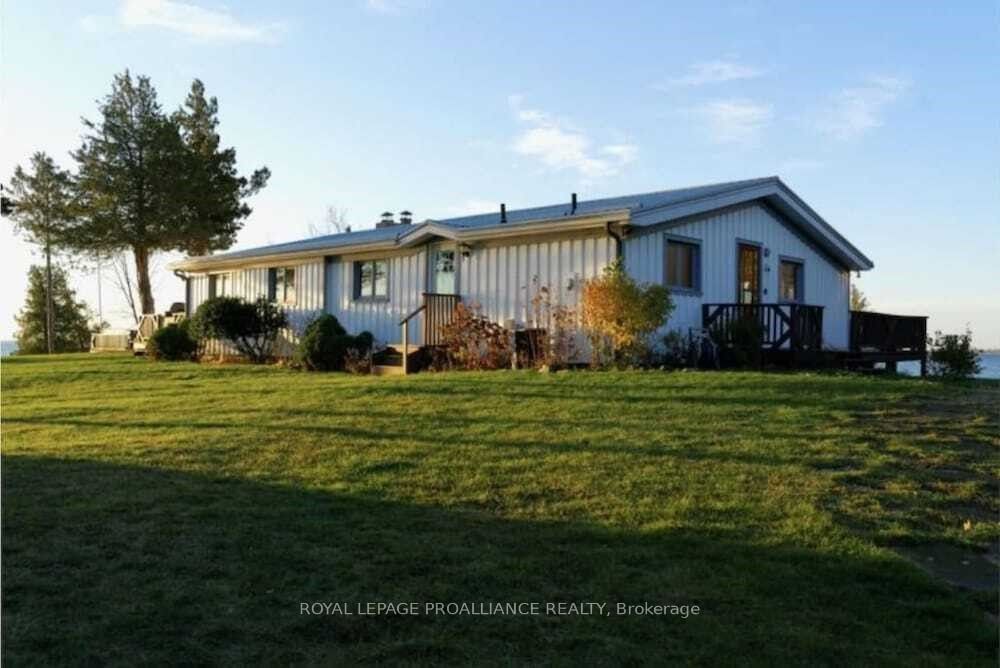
406	346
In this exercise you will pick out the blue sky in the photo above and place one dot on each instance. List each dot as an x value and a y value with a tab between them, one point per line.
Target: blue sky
883	116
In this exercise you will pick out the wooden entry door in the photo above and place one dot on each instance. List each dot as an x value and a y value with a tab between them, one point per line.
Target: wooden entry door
748	274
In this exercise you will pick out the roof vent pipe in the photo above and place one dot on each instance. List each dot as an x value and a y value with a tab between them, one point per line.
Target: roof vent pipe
573	208
503	213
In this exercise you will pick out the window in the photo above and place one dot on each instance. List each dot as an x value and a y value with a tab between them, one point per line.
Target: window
790	281
444	272
682	270
219	285
281	285
371	279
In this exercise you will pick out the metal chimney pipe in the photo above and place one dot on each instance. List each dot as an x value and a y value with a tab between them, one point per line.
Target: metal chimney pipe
503	213
573	208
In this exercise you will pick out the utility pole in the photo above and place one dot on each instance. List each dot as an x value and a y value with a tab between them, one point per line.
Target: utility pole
49	320
100	300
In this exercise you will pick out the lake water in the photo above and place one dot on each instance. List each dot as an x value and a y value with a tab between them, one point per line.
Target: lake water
989	361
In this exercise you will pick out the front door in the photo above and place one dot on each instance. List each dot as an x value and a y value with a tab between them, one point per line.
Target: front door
748	274
443	274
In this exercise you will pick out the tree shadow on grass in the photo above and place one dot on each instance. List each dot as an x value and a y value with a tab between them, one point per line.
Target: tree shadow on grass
104	563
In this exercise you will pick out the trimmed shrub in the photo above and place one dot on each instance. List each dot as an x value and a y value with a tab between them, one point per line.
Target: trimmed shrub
215	317
358	361
325	343
252	327
172	343
952	355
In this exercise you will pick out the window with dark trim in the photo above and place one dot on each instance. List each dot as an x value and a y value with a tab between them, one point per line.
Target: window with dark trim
371	279
682	265
281	285
219	285
790	281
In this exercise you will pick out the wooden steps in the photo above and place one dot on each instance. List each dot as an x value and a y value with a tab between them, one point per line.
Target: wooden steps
388	370
389	362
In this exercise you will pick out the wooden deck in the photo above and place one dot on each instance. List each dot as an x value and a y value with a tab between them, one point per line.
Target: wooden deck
792	335
887	338
794	327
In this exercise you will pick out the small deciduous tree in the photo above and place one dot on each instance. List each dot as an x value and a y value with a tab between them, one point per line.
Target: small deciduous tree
620	314
552	343
334	222
859	302
70	331
42	209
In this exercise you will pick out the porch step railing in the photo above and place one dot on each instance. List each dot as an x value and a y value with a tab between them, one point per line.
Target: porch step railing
438	310
795	326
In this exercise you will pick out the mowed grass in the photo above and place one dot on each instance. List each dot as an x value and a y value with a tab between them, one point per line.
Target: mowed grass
176	513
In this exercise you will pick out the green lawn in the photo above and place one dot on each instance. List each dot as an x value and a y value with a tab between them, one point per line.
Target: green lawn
181	513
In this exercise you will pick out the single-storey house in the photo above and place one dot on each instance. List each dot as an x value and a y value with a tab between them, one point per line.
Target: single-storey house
717	247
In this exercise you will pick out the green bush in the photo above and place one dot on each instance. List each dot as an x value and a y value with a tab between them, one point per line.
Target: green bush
952	355
172	343
325	343
739	342
252	327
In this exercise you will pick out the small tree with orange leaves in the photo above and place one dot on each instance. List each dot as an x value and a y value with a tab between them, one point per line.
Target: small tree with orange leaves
620	315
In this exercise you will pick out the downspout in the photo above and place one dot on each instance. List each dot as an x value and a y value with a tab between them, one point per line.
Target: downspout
187	290
614	235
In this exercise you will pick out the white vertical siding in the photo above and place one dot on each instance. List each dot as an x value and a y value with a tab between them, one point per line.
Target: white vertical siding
825	284
407	283
501	279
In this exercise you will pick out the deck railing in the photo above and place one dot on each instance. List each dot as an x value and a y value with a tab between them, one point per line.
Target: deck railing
792	326
887	333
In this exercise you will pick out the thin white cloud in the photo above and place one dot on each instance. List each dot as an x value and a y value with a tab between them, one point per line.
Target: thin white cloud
715	71
857	110
189	19
739	122
559	146
624	153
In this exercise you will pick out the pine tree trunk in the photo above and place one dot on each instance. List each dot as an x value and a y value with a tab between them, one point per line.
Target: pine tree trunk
49	310
142	280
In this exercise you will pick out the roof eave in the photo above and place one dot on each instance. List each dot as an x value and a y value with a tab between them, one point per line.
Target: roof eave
413	237
776	192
